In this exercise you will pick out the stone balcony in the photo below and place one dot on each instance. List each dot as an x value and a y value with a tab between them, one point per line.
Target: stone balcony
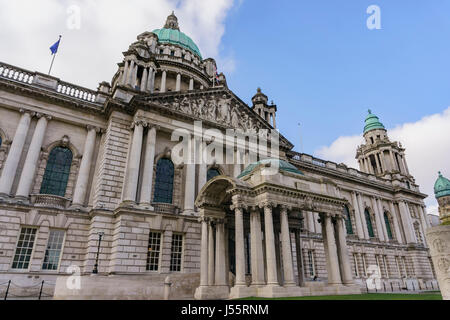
166	208
50	201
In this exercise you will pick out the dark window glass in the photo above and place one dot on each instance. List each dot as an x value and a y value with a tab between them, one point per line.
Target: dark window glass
388	226
164	181
53	251
369	224
177	253
57	172
154	250
348	221
212	173
0	141
24	248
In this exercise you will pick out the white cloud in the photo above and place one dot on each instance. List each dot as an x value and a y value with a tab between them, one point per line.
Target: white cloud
427	144
90	54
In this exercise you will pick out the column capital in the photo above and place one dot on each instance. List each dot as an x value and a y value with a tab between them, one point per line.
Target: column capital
29	112
97	129
153	126
43	115
267	205
238	206
139	122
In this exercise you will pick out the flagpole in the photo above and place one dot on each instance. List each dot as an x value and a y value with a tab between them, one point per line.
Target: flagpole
54	56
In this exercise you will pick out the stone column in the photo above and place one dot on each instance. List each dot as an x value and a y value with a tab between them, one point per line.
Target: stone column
130	73
346	271
152	89
239	246
406	222
334	275
149	163
311	224
288	266
358	222
383	222
363	216
394	166
220	272
134	161
300	264
405	165
377	220
271	259
274	120
189	189
257	256
398	234
123	80
163	82
191	84
81	186
134	76
149	87
379	169
237	168
15	152
423	219
29	168
204	254
211	265
178	83
144	80
202	166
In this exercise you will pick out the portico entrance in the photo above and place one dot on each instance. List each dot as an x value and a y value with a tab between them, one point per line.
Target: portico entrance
231	208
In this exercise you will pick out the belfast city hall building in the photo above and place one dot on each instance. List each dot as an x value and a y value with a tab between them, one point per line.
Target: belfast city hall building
95	202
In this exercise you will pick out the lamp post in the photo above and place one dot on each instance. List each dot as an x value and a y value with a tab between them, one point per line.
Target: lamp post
100	236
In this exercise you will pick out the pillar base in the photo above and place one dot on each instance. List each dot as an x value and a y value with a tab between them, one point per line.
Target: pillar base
127	204
238	292
212	293
78	207
189	213
4	197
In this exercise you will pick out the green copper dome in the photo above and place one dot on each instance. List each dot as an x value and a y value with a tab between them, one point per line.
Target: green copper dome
283	165
177	37
442	187
372	123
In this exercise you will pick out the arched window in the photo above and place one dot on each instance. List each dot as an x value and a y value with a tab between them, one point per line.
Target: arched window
212	173
369	224
348	221
164	181
388	226
57	172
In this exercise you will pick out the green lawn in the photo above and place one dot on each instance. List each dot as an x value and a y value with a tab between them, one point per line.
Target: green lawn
370	296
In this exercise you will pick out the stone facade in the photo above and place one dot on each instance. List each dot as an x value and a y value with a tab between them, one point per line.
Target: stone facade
117	135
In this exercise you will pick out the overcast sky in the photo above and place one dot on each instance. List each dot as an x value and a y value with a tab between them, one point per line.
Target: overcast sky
316	59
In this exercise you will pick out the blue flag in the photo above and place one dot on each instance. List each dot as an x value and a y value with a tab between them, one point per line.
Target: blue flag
54	48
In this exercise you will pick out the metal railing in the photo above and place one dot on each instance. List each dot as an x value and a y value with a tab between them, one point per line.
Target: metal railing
15	291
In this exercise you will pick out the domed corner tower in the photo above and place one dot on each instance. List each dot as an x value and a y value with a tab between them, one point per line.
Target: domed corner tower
263	109
162	61
442	193
381	157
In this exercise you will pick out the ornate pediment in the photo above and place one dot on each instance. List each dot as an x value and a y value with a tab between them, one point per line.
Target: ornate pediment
217	106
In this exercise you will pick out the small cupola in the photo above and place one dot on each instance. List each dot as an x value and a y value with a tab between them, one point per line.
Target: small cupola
263	109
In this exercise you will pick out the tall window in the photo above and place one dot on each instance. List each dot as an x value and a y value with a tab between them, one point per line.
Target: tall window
0	141
348	221
388	226
369	224
24	248
311	263
177	253
57	172
53	251
386	266
212	173
154	250
164	181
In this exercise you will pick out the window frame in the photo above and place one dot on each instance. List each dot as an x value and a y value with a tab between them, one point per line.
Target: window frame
161	242
181	252
368	217
387	222
348	221
48	181
32	249
63	243
311	263
155	187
